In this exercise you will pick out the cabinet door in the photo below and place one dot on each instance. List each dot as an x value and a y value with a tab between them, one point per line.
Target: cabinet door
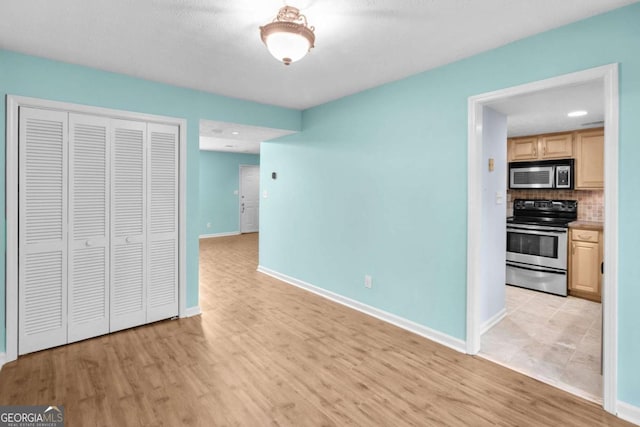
88	314
162	230
590	159
42	230
521	149
128	225
557	146
585	267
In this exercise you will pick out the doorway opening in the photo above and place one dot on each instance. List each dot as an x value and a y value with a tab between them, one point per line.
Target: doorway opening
482	253
225	149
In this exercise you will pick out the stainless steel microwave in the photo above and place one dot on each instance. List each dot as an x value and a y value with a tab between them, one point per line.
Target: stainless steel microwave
549	174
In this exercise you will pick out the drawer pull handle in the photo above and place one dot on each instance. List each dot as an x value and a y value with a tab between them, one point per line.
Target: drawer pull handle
584	237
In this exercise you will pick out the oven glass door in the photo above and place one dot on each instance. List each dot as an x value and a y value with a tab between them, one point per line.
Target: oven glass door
541	247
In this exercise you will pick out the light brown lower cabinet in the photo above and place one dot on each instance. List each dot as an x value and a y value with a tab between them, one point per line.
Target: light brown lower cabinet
585	260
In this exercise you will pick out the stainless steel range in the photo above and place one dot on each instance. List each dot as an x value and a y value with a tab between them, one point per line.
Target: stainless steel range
537	244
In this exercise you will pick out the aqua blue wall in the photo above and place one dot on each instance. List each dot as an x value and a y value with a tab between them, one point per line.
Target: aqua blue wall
35	77
377	182
219	179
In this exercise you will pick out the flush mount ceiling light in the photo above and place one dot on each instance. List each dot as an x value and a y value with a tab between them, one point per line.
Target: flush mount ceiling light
288	37
579	113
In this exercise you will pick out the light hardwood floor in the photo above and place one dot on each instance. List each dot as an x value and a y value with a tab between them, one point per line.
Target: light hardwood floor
266	353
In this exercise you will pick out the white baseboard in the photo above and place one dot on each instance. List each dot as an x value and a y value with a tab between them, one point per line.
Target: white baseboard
433	335
230	233
192	311
491	322
629	412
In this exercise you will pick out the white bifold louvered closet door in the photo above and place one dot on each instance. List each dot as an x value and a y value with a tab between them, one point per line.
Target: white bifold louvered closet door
162	231
144	231
42	231
88	311
128	236
98	226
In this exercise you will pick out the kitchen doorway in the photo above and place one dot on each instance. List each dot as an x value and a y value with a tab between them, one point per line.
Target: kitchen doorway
478	247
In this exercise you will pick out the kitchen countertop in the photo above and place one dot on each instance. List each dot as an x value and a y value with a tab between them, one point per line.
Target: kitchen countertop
588	225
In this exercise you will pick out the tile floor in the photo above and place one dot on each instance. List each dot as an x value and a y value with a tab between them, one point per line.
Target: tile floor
551	338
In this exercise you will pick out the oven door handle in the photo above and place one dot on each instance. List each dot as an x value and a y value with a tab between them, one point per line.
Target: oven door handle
535	231
534	268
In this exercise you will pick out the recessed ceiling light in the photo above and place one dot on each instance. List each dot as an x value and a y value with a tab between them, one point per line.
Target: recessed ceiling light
235	132
578	113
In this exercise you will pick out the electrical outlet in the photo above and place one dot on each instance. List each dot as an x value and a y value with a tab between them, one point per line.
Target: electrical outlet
208	225
367	281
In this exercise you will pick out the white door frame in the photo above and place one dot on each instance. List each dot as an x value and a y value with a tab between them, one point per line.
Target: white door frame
609	75
241	167
11	195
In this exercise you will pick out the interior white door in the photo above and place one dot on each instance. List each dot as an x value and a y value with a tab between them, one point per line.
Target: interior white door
162	229
128	225
249	198
42	230
88	289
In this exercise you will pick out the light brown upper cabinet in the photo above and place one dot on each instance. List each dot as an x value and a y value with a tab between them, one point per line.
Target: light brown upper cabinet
589	151
559	146
522	149
541	147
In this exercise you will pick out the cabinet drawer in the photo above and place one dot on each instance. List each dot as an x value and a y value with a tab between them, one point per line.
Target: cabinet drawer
584	235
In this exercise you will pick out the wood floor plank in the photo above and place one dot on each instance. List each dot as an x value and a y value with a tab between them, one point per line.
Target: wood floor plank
264	353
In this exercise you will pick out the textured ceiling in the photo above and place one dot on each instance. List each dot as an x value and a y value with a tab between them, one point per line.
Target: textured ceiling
214	45
235	138
546	111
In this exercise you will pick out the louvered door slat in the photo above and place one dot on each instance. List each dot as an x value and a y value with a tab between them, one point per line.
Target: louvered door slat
128	226
163	222
89	226
42	230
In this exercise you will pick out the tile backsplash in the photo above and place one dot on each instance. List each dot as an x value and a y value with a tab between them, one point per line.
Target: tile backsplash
590	202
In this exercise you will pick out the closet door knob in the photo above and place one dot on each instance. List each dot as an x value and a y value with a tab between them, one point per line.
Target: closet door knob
128	240
88	243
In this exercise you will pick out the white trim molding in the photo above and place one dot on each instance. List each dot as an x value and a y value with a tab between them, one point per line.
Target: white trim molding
214	235
629	412
192	311
3	359
13	103
610	276
608	74
416	328
493	320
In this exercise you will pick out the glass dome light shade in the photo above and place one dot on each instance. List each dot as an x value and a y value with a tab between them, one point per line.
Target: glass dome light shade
288	38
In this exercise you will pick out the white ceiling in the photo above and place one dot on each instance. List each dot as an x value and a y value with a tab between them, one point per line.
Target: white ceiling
235	138
546	111
214	45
